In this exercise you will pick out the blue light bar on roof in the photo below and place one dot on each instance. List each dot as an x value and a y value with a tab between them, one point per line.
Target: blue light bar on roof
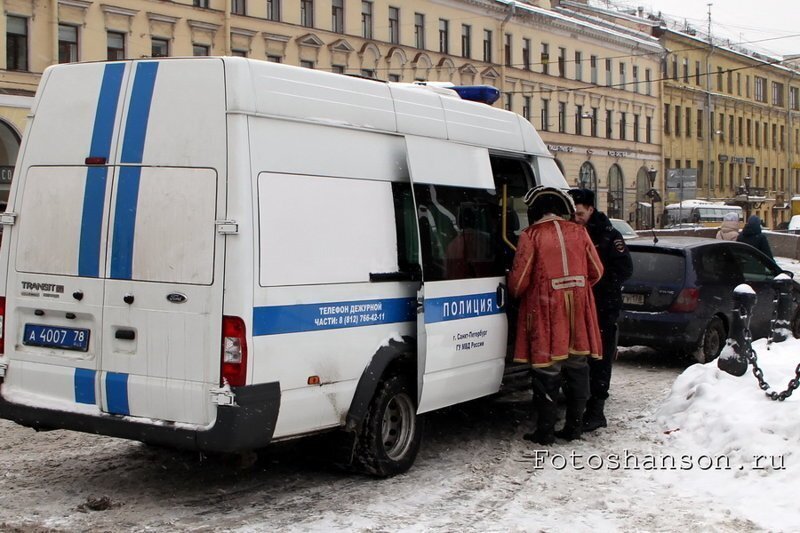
477	93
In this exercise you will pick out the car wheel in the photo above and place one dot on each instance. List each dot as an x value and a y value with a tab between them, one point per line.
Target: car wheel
391	433
711	342
796	325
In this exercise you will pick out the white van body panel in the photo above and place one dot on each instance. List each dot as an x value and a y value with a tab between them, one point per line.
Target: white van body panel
306	172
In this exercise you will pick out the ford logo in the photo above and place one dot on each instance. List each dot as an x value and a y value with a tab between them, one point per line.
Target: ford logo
176	297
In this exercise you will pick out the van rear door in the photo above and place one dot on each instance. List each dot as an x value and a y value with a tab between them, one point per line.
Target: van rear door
461	325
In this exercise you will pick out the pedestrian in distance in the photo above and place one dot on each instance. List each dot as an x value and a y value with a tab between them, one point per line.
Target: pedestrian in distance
752	235
554	267
617	267
729	229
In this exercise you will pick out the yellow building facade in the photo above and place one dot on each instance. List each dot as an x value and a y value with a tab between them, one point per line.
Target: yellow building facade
591	92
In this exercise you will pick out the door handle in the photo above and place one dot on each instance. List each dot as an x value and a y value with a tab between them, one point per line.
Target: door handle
125	334
502	290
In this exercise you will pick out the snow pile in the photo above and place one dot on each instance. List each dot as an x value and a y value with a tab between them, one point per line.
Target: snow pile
743	449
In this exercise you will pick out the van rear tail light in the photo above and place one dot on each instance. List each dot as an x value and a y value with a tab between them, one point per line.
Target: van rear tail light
234	351
686	302
2	325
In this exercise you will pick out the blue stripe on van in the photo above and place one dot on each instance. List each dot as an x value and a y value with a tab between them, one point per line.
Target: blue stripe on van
117	393
459	307
277	319
128	187
84	386
95	188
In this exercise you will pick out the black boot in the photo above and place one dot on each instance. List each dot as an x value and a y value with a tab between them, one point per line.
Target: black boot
594	418
573	426
544	414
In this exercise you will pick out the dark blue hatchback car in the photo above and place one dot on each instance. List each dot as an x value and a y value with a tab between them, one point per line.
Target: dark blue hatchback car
680	296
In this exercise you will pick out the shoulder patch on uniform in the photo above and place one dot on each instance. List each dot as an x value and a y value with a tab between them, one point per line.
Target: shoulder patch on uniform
619	245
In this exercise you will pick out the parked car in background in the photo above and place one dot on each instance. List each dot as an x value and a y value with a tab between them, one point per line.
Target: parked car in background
624	228
794	224
681	294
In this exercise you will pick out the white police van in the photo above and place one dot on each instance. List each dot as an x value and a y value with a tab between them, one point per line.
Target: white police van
218	253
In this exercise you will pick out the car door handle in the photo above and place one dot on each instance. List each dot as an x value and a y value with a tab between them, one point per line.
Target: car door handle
125	334
502	291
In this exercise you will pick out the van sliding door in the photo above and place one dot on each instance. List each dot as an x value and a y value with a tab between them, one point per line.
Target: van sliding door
461	323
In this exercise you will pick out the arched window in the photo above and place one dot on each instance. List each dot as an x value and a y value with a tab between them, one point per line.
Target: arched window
643	206
616	191
9	146
587	177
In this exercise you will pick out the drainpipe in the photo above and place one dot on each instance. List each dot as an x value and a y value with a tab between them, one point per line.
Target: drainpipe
789	131
227	27
710	164
502	50
53	32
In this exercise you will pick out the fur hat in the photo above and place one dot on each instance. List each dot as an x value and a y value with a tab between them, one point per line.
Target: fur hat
582	196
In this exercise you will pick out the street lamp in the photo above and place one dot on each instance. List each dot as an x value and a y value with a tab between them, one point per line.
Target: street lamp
654	197
746	180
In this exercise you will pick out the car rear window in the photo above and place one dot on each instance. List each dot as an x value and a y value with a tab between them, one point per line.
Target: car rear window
658	266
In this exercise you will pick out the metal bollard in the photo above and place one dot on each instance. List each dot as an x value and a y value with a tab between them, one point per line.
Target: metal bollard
781	329
734	361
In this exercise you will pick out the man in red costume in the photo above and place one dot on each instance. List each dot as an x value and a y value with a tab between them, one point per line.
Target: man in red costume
554	269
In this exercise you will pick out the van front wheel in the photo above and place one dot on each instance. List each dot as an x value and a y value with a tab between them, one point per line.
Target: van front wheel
391	432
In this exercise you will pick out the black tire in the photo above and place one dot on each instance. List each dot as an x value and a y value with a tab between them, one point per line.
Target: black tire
796	325
391	433
711	342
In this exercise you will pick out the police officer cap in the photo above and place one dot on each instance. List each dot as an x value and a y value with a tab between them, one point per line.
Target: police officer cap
550	199
582	196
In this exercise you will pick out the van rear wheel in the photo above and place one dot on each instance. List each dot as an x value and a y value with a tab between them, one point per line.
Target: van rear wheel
391	433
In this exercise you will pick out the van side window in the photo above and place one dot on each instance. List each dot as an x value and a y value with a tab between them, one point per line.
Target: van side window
459	232
406	222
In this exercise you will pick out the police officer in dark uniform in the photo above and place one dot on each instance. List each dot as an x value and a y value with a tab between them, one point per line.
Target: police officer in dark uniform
618	267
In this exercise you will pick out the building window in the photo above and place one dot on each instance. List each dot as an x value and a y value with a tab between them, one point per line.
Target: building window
749	132
616	189
579	120
758	134
774	137
239	53
115	46
740	130
609	124
340	69
593	126
686	70
562	117
419	30
766	134
159	47
16	43
507	50
730	129
667	118
307	13
777	94
761	89
368	73
238	7
274	9
699	126
738	84
688	123
636	124
794	98
466	40
587	178
675	68
730	82
677	121
545	59
545	115
562	62
622	80
366	20
394	78
526	107
394	25
337	16
648	130
507	101
648	90
200	3
67	43
306	64
526	54
200	49
578	66
609	77
623	126
279	59
747	86
721	129
593	69
444	36
487	46
697	73
719	79
635	73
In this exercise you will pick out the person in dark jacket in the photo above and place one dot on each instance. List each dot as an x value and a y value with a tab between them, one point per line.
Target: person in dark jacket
751	234
618	267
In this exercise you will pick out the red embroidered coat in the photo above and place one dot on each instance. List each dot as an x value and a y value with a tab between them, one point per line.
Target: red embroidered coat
554	269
